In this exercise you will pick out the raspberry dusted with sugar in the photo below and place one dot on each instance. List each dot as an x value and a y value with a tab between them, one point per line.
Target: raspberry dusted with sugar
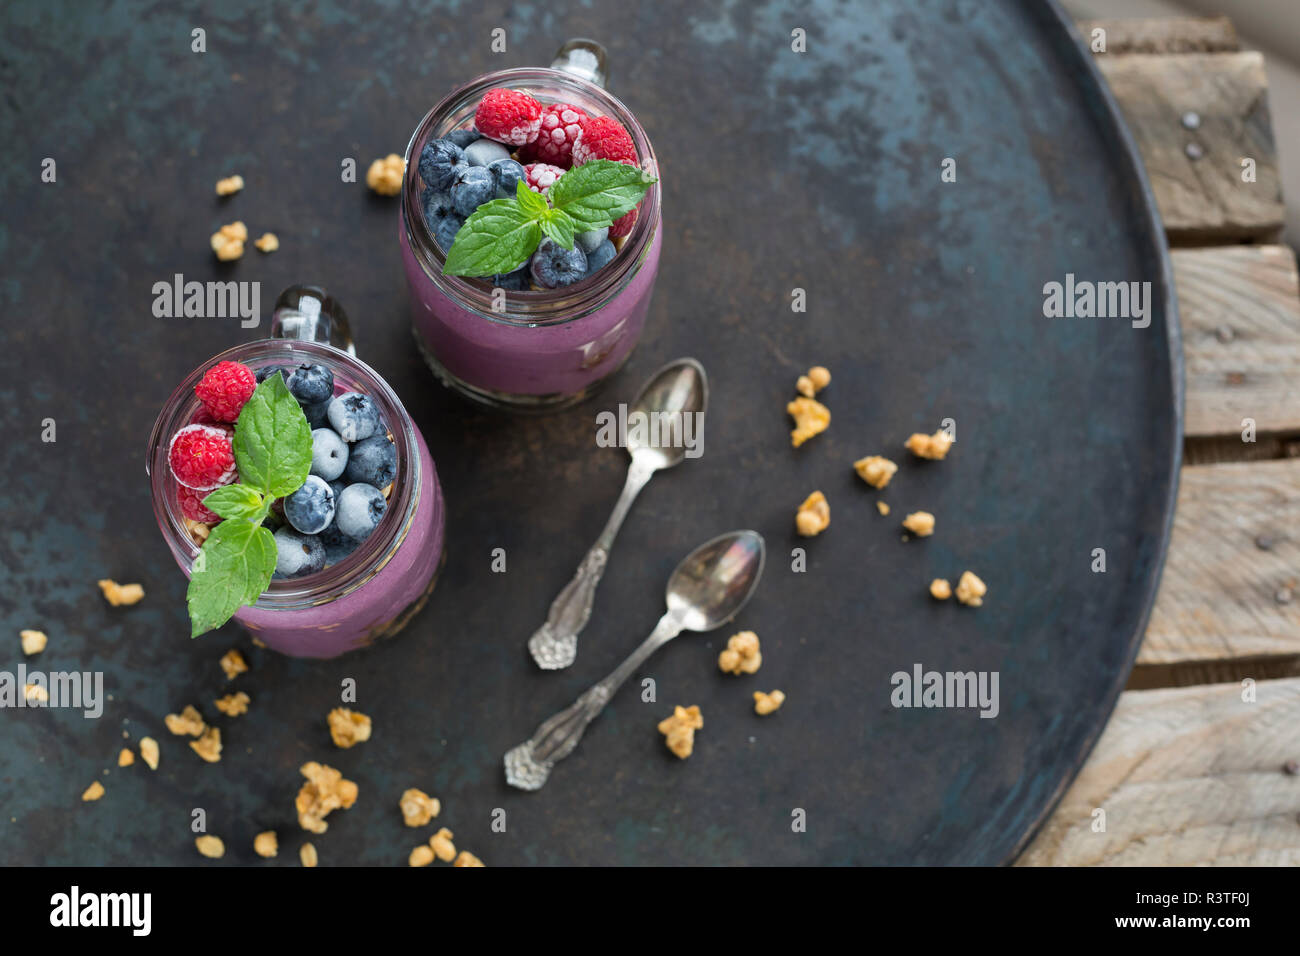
225	389
541	176
560	127
191	503
623	225
508	116
603	137
201	457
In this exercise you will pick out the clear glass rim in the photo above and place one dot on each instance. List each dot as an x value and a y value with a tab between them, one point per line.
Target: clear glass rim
526	309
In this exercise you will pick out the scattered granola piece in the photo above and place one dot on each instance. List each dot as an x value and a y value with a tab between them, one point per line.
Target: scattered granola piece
742	655
149	752
37	693
308	855
268	243
804	386
93	792
929	446
233	663
126	757
971	590
679	730
265	844
33	641
765	704
920	523
940	589
811	418
347	727
820	376
442	846
882	507
208	746
813	516
228	241
188	721
198	531
119	594
467	858
324	792
420	856
385	175
418	808
210	846
233	705
875	470
230	185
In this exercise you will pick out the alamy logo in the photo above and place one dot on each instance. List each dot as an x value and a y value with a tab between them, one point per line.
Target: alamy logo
75	689
134	910
640	429
955	689
1083	299
179	299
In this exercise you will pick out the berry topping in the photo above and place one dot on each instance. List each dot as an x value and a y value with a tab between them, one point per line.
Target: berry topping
201	457
541	176
297	554
353	416
463	137
472	187
310	509
191	503
373	461
311	384
225	389
359	509
508	116
591	240
554	143
623	225
555	266
603	137
600	257
506	173
485	152
329	453
439	161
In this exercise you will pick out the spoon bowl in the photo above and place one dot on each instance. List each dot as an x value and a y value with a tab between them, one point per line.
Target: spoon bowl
669	412
716	580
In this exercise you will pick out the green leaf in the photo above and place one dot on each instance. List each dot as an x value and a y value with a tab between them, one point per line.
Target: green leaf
496	238
557	224
273	441
232	570
532	203
597	193
235	501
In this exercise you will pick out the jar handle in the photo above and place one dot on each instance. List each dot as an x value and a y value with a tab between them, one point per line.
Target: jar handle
307	313
585	59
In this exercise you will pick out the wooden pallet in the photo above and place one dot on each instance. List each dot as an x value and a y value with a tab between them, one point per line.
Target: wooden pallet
1189	769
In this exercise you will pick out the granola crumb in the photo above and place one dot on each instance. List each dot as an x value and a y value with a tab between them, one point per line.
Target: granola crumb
208	746
940	589
742	655
230	185
934	447
804	386
971	590
920	523
385	175
679	730
324	792
210	846
875	470
307	855
188	722
882	507
93	792
466	858
265	844
811	418
125	757
33	641
149	752
198	531
813	516
233	663
418	808
36	693
233	705
442	846
820	376
268	243
420	856
347	727
228	241
120	594
765	704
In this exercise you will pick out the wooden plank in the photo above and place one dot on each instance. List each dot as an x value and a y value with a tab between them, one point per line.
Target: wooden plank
1186	776
1203	199
1240	312
1165	35
1220	593
1209	451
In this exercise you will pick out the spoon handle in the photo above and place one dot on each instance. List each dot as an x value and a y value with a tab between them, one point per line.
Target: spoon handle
529	764
554	645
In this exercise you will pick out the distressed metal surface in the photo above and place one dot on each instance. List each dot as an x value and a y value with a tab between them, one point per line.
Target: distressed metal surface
818	171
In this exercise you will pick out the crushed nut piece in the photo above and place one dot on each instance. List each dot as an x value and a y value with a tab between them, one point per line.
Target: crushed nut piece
230	185
228	241
233	705
265	844
233	663
198	531
882	507
210	846
442	846
804	386
37	693
385	175
467	858
93	792
33	641
971	590
420	856
765	704
940	589
742	655
119	594
418	808
308	855
929	446
126	757
820	376
920	523
875	470
679	730
188	721
813	516
268	243
209	745
811	418
347	727
324	792
149	752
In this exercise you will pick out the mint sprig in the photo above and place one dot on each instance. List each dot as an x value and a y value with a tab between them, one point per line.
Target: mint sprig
272	448
500	235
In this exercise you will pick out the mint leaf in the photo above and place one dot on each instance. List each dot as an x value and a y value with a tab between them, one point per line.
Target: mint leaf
232	570
499	236
533	203
235	501
597	193
272	441
558	226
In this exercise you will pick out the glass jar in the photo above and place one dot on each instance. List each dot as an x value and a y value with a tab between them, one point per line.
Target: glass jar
378	588
529	351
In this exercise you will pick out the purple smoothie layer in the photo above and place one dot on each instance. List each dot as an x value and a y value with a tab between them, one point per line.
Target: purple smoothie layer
380	606
519	360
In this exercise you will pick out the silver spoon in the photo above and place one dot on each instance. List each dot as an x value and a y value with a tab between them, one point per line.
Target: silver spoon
705	591
677	390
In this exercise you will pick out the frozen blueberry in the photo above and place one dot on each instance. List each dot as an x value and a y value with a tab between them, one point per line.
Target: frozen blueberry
353	416
297	554
337	545
317	415
516	281
439	161
485	152
311	384
372	461
310	509
554	266
267	371
463	137
329	453
591	240
445	233
506	173
472	187
601	257
360	509
436	204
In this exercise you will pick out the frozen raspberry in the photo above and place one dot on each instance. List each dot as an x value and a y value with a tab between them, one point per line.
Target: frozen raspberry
508	116
191	503
201	457
225	389
603	137
554	143
541	176
623	225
